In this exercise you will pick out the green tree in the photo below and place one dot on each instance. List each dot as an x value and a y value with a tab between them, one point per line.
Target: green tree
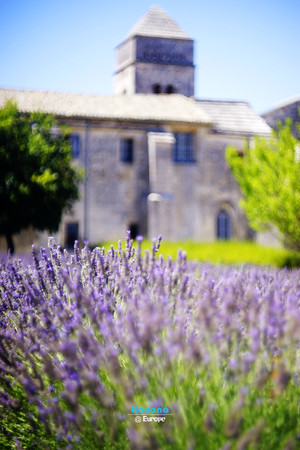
269	176
37	180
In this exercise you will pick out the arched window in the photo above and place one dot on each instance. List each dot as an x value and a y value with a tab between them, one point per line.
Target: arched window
157	88
223	225
170	89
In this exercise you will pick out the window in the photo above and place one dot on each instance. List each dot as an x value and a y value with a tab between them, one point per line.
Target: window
127	150
170	89
223	225
71	234
75	145
184	148
156	88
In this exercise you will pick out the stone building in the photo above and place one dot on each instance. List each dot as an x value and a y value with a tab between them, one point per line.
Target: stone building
153	154
289	108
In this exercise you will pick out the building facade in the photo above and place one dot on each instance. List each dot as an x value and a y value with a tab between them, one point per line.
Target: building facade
153	154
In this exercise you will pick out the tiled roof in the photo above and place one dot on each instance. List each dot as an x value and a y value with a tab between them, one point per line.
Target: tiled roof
234	117
139	107
228	117
157	23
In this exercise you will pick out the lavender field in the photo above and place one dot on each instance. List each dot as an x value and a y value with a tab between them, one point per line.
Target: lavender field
90	341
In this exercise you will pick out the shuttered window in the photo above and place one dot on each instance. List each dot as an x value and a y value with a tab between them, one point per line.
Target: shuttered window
75	145
184	148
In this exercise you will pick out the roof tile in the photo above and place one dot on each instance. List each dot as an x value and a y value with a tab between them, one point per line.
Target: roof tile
138	107
234	117
157	23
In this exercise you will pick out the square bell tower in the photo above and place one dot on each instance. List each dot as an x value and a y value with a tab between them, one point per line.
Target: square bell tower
156	57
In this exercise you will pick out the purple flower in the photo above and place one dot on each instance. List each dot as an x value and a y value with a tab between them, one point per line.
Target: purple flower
103	330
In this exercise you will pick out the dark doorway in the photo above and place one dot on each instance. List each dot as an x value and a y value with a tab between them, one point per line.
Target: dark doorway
71	234
134	230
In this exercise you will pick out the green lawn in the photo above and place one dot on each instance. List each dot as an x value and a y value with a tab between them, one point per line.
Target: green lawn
224	252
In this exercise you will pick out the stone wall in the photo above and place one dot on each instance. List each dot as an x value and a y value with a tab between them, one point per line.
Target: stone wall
164	51
217	189
126	54
185	198
181	78
114	195
22	241
143	62
124	81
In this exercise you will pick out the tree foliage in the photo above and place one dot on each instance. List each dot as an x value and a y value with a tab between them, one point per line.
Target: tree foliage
269	177
37	180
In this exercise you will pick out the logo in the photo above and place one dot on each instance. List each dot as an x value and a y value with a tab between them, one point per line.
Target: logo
157	415
136	410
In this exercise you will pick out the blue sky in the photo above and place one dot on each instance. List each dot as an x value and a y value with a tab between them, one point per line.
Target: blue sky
246	50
